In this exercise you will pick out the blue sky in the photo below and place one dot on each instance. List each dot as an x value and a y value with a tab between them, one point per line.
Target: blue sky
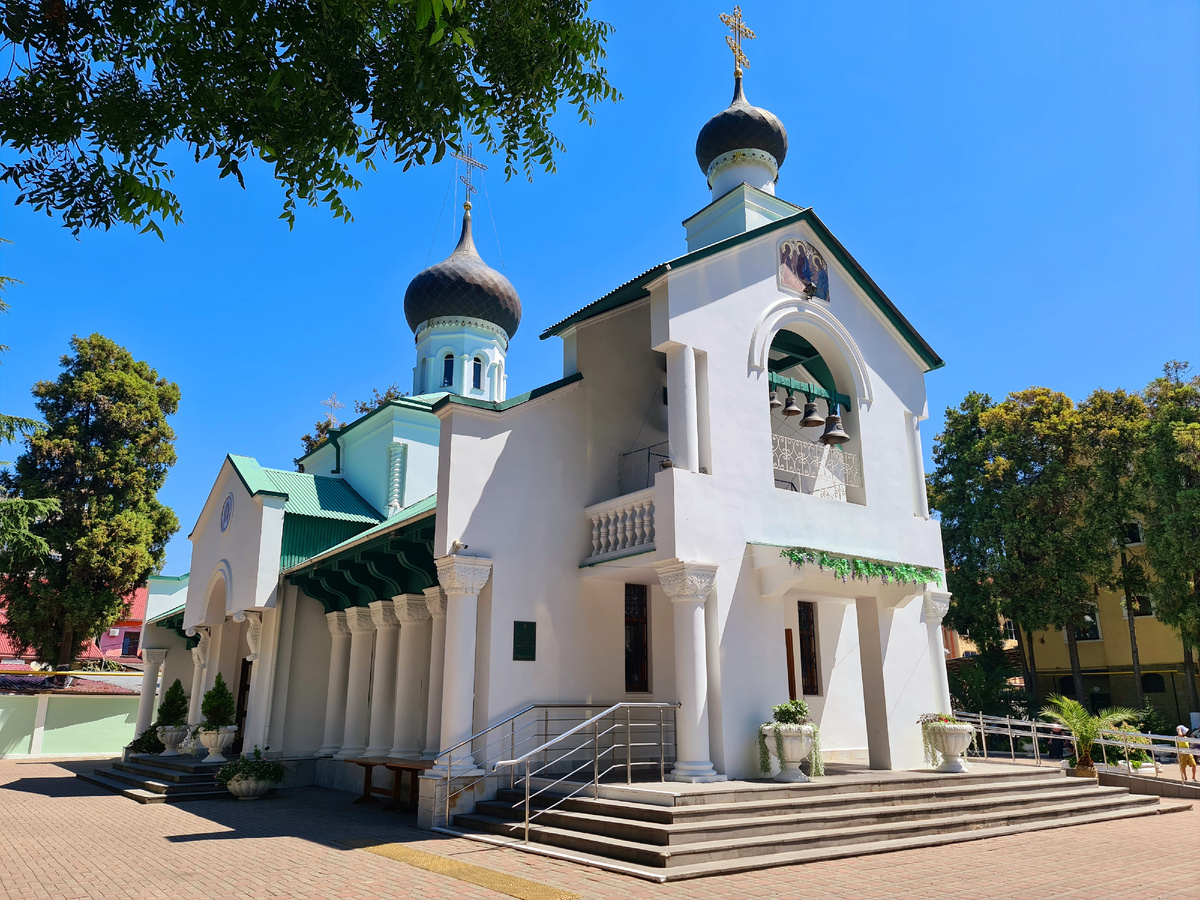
1023	179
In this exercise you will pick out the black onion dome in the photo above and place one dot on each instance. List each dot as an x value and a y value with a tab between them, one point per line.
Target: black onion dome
463	285
741	127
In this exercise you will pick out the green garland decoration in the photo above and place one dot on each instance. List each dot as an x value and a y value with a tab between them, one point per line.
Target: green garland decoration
847	567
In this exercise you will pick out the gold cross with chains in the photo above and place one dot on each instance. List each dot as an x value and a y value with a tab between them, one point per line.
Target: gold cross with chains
334	406
735	24
471	163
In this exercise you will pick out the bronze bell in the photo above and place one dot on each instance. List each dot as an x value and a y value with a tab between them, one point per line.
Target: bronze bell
833	431
811	419
775	401
791	407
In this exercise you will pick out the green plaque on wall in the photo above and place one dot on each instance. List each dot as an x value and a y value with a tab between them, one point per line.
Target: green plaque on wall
524	641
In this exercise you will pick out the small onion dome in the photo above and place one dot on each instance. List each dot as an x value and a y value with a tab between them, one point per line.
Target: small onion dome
463	285
741	127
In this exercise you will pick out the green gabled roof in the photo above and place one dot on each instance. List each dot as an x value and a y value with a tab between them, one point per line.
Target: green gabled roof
635	289
318	496
419	402
500	406
399	520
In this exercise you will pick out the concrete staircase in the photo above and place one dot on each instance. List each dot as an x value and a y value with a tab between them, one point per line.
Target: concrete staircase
663	835
154	779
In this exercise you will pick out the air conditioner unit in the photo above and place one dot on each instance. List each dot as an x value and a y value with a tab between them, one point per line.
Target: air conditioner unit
114	632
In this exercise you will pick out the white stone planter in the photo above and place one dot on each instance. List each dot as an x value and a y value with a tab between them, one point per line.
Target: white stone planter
797	744
171	736
216	741
249	788
951	742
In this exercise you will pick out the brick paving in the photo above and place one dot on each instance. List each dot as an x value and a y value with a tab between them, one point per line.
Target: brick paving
64	839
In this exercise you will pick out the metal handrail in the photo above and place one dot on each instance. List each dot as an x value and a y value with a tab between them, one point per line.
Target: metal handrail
582	725
477	735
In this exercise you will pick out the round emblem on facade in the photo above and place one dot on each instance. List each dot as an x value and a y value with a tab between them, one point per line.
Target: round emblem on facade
226	511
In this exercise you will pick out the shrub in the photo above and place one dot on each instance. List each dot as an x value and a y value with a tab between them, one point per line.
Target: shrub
146	742
1153	721
218	707
794	712
174	707
256	769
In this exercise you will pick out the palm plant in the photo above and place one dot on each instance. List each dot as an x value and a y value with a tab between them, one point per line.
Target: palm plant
1085	727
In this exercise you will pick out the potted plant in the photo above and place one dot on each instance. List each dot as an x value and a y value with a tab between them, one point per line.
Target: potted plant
945	738
248	778
171	727
1084	726
217	731
1134	750
793	738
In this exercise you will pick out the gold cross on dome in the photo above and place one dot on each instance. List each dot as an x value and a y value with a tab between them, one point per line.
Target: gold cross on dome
334	406
470	163
735	24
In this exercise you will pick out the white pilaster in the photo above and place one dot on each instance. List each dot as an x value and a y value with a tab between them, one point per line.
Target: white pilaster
462	578
875	702
358	688
339	673
262	660
383	678
435	602
688	584
936	605
199	664
412	673
683	427
153	661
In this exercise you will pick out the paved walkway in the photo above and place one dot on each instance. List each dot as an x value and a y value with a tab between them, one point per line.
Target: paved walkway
63	839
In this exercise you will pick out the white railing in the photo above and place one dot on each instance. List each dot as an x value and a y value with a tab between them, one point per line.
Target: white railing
622	525
824	470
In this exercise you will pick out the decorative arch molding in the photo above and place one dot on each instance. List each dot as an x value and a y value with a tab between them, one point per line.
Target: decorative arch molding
791	310
224	572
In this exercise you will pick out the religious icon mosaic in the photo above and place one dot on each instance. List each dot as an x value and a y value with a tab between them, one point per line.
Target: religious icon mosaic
803	270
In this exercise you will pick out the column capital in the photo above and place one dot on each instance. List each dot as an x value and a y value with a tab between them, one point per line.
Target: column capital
463	574
336	622
383	614
937	604
200	651
687	581
358	619
435	602
411	608
154	658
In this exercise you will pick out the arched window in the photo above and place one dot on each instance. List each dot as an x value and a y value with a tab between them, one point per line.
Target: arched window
1153	683
477	374
448	370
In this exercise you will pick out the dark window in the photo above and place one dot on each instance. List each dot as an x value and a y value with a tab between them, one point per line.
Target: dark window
1153	683
1141	606
448	371
1132	532
637	639
129	643
808	647
1066	686
477	374
1089	630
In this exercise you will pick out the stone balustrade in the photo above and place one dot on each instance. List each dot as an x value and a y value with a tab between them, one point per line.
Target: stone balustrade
622	526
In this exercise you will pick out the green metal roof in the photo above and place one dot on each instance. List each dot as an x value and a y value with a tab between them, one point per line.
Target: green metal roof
399	520
420	403
635	289
319	496
173	611
500	406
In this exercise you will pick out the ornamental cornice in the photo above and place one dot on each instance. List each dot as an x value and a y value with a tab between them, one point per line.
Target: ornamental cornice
748	154
411	608
359	621
463	574
687	581
435	602
937	604
456	322
336	622
154	658
383	614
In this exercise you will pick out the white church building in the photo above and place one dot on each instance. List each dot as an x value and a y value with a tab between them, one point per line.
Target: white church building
617	536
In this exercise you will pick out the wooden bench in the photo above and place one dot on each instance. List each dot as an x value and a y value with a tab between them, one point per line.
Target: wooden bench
398	767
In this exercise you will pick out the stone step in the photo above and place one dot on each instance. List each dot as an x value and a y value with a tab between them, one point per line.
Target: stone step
162	773
142	795
795	857
762	846
154	785
175	763
819	801
734	824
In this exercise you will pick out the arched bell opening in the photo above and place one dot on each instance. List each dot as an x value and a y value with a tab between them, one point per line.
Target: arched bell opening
814	418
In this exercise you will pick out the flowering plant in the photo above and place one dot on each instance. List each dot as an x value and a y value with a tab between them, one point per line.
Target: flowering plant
929	722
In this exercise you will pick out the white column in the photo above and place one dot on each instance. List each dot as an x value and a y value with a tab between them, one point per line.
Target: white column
435	602
199	664
254	727
383	678
153	660
339	670
683	429
412	673
870	652
462	578
688	584
358	687
936	605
